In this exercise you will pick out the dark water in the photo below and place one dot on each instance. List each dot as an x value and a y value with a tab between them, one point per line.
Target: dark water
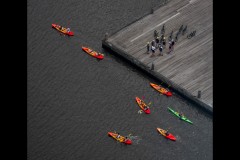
74	99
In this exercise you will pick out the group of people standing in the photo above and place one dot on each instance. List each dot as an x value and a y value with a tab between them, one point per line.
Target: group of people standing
160	43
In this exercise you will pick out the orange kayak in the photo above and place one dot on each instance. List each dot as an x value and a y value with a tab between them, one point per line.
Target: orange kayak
169	136
142	105
62	29
120	139
160	89
93	53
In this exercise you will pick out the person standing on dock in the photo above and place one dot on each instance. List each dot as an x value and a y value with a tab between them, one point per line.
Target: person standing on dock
160	50
148	47
153	43
170	48
164	41
163	29
157	41
164	44
153	50
172	44
155	33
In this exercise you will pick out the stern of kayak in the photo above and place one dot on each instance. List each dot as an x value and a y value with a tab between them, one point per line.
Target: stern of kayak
169	94
171	137
100	57
147	111
70	33
128	141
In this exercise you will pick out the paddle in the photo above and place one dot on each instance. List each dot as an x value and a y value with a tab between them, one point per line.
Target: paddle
140	111
68	24
148	103
68	21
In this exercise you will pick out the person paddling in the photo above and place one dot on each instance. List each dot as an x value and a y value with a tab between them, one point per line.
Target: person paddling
118	136
166	133
68	30
145	108
180	115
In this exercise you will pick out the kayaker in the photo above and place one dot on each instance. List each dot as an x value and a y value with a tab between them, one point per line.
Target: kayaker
68	30
146	107
180	115
166	133
118	136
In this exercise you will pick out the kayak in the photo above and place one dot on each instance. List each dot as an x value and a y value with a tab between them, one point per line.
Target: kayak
93	53
62	30
160	89
169	136
181	117
121	139
142	105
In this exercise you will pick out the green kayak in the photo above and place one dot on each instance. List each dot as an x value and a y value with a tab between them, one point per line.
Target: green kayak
181	117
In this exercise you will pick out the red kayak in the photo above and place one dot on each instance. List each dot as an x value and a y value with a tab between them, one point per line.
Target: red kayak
120	139
93	53
143	105
169	136
160	89
62	29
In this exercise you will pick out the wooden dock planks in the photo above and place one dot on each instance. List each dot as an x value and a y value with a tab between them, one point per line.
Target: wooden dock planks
190	64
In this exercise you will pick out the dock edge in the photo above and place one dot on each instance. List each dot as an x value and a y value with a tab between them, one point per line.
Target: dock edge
174	87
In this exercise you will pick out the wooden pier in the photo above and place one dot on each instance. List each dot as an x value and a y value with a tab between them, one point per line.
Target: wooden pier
188	69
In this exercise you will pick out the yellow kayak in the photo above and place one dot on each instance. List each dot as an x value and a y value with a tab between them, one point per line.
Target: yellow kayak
121	139
142	105
93	53
163	132
160	89
62	29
